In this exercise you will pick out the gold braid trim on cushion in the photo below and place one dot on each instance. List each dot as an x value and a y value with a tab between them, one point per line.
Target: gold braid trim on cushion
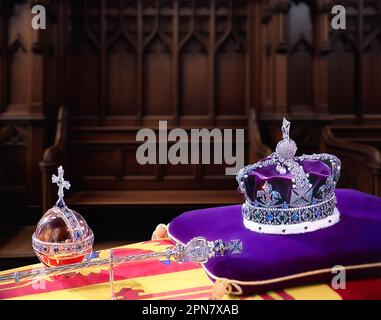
293	276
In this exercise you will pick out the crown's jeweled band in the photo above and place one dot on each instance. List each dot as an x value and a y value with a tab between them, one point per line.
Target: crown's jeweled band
289	216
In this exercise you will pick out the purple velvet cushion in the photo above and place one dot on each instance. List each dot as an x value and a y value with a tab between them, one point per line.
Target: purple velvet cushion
299	258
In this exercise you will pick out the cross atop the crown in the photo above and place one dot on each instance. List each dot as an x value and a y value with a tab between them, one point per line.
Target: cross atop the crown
61	183
286	129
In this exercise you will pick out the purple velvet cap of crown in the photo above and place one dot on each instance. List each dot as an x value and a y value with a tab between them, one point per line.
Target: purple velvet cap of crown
317	170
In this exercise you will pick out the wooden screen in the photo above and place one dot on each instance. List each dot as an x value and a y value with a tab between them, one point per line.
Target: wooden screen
355	61
134	62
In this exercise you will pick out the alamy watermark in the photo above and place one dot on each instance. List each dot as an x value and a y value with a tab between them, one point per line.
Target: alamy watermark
38	284
339	281
39	18
185	149
339	21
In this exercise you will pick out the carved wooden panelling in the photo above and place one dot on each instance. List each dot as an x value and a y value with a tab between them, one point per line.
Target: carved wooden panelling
136	60
107	161
13	142
120	65
301	49
342	94
355	59
372	57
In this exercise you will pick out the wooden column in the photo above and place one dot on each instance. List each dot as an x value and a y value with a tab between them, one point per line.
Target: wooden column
255	52
280	57
275	56
5	10
321	62
212	63
140	49
175	63
359	64
103	64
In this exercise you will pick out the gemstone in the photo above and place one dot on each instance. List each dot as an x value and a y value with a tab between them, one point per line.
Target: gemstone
295	217
307	215
77	235
282	217
269	217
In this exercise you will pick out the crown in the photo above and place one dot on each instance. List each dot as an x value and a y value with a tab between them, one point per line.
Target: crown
288	194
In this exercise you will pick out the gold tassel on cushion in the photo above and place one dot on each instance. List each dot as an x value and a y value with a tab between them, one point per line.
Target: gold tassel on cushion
224	287
160	232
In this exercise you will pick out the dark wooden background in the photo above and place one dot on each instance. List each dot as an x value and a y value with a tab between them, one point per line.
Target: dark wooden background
121	65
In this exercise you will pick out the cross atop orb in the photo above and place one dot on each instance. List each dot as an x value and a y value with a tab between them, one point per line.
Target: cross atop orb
61	183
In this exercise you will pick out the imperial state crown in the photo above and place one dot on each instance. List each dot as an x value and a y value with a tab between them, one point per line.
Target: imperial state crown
288	194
